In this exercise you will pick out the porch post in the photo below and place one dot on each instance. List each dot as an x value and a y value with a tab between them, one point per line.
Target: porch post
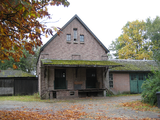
41	80
105	80
46	77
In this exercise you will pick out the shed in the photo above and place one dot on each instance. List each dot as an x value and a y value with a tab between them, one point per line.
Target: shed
131	76
17	82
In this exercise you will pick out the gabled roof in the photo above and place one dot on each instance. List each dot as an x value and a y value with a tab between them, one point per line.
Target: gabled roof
84	25
15	73
135	65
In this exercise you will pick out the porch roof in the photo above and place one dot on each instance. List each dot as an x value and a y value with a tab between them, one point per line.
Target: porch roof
79	63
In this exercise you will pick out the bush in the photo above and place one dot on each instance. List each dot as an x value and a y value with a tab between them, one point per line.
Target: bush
150	87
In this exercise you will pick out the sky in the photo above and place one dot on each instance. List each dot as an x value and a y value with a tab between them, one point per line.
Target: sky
105	18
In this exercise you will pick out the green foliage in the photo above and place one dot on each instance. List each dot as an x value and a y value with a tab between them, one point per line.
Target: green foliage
153	32
134	41
26	64
115	47
150	87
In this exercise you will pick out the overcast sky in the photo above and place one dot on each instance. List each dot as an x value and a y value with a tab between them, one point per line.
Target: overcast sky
105	18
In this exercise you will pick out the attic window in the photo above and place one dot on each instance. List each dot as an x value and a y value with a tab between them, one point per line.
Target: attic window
75	34
81	38
68	37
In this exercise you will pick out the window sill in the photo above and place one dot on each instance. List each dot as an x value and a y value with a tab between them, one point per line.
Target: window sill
81	42
75	42
69	42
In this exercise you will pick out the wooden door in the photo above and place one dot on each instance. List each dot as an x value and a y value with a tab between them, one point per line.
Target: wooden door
133	83
91	78
136	81
60	79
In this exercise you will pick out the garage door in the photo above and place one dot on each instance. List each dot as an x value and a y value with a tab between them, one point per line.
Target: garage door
136	81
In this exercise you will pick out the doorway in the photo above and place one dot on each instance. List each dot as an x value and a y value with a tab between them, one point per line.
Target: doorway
60	79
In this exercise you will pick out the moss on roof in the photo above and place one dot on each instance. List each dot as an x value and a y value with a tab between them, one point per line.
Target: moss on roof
79	62
135	65
15	73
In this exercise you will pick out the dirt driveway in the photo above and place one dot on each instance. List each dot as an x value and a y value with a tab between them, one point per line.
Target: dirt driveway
105	106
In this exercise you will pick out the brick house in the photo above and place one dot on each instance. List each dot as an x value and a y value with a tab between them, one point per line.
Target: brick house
74	63
129	78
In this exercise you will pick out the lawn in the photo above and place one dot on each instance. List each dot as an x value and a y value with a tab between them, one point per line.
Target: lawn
25	98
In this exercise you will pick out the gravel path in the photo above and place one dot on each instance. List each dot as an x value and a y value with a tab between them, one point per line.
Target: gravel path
105	106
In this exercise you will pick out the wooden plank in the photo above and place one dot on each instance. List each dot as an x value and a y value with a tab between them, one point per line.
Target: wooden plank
78	82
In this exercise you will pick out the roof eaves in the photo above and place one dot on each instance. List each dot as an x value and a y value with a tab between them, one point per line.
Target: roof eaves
79	63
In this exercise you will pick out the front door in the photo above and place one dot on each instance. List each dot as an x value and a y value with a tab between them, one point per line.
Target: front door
136	81
91	78
60	79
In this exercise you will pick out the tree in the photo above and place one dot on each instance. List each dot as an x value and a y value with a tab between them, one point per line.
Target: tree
133	41
27	64
115	47
20	28
152	84
153	32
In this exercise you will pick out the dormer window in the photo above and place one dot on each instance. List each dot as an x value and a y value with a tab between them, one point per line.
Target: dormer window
75	34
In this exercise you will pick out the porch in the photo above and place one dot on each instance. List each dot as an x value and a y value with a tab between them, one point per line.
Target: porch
70	81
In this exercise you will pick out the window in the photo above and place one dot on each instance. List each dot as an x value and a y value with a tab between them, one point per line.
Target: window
81	38
133	77
75	34
141	77
111	80
68	37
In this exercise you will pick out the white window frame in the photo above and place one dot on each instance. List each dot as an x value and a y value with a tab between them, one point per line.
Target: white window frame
75	34
68	38
81	38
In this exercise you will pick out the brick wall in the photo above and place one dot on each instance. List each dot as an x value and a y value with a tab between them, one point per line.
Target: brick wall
121	82
60	49
66	94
